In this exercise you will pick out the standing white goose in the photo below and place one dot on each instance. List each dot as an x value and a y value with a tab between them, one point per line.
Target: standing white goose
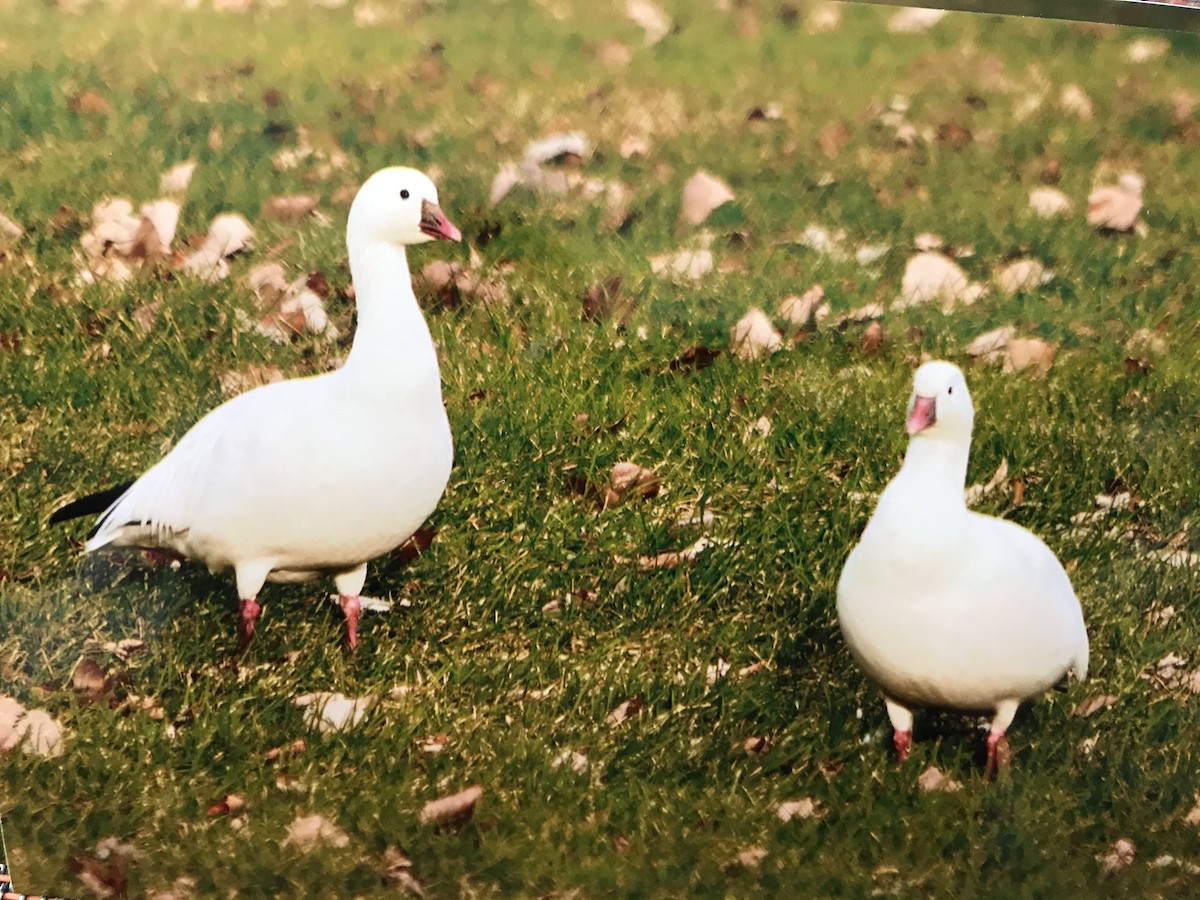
312	476
947	608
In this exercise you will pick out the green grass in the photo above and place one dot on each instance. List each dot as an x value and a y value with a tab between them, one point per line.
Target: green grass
512	535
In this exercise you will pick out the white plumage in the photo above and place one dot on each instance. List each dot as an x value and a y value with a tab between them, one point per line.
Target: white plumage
315	476
947	608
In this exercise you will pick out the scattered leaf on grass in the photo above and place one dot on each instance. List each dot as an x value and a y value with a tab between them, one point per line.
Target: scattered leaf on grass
230	803
572	759
308	833
694	358
1022	275
934	779
702	194
328	712
672	558
716	671
687	266
754	336
254	375
1026	353
89	102
757	746
804	808
872	338
651	18
1119	856
1192	816
631	707
808	308
976	491
433	743
289	208
990	345
182	888
1074	99
177	178
751	857
932	276
1146	49
603	301
629	480
296	746
452	811
399	870
1049	202
1116	207
1094	704
89	681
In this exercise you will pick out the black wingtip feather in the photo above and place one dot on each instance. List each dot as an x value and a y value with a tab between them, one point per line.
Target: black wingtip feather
91	505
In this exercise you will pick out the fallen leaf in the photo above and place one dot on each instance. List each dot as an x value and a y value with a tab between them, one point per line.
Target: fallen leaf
602	300
754	337
629	480
756	746
434	743
651	18
1074	99
144	315
230	233
990	345
913	19
932	276
1146	342
804	808
806	309
230	803
296	746
1192	816
1119	856
399	870
452	811
976	491
1021	276
1049	202
1025	353
1094	704
631	707
328	712
182	888
687	266
10	231
872	338
575	761
289	208
824	18
1116	207
1146	49
177	178
833	137
702	194
89	681
672	558
934	779
751	857
89	102
694	358
254	375
308	833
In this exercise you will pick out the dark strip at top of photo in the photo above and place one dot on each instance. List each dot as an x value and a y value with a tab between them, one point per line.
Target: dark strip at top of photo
1180	15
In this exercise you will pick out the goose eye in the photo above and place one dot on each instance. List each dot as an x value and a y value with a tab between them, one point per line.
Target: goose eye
950	390
404	194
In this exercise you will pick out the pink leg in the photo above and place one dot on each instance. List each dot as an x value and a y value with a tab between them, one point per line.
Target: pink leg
351	607
998	755
902	741
250	611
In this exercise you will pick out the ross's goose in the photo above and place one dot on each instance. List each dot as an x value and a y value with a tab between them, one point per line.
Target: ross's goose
947	608
313	476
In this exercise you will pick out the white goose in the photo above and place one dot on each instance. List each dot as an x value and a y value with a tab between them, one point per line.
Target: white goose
947	608
312	476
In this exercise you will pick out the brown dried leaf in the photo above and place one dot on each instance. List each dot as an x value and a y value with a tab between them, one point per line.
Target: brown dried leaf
254	375
1119	856
630	708
1094	704
754	337
672	558
296	746
751	857
804	808
1116	207
1024	353
602	299
90	681
934	779
89	102
230	803
833	138
694	358
399	870
289	208
629	480
453	811
651	18
872	338
307	833
757	746
702	194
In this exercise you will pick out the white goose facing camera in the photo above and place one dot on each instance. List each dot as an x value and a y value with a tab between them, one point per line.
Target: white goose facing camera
947	608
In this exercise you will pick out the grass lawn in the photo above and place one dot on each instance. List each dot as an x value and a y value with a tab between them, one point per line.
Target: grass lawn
529	620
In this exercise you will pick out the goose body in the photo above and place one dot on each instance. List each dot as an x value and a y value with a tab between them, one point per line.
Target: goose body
314	476
947	608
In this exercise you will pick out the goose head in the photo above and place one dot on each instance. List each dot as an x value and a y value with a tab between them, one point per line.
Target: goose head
940	406
399	206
